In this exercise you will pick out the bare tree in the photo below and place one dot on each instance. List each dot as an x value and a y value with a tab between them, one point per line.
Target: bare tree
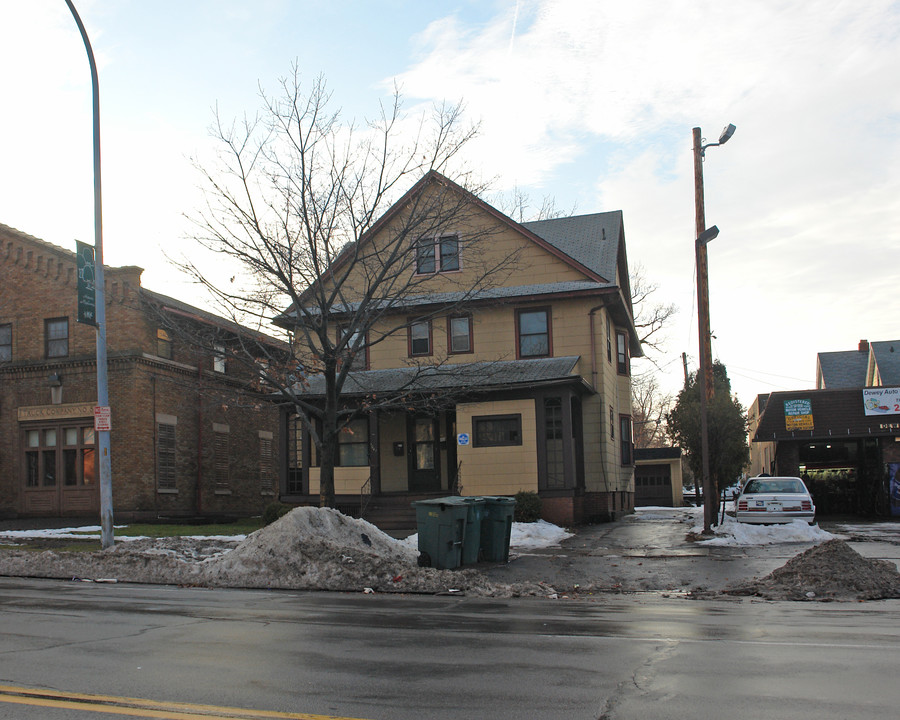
649	407
649	404
518	205
311	210
650	319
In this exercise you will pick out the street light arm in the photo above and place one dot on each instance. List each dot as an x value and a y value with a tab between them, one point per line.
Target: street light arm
723	138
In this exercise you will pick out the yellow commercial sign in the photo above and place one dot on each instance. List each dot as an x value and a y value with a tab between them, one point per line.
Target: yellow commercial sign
798	415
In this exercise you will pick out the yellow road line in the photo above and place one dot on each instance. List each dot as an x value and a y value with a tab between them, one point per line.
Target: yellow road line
138	707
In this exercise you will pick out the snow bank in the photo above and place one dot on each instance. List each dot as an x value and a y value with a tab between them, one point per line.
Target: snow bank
732	533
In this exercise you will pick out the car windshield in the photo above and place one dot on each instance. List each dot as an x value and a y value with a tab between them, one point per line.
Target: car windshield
774	485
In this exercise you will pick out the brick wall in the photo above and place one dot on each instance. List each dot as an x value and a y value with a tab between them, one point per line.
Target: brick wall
38	281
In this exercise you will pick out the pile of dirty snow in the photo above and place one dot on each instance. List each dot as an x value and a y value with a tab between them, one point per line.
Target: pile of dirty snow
307	549
830	571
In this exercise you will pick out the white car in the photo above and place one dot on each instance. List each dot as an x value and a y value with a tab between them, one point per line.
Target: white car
767	500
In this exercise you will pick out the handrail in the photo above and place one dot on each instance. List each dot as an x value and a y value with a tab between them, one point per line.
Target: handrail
365	496
455	486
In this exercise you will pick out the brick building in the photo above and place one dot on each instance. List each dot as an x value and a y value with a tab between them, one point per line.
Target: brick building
189	435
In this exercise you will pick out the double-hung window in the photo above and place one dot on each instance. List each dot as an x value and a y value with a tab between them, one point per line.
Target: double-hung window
533	333
353	444
437	254
459	331
356	347
56	337
622	352
219	359
625	439
419	338
5	343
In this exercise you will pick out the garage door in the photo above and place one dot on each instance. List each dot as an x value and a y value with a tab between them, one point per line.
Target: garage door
653	485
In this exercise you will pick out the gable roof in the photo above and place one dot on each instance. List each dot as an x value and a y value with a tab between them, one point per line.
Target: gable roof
551	236
842	369
592	244
886	355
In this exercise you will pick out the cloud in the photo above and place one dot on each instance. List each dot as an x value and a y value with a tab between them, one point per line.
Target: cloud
596	101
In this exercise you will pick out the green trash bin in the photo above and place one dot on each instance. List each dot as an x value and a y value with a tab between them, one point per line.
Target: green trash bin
441	524
472	537
496	527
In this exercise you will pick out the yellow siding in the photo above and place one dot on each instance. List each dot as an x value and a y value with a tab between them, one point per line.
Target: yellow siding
498	470
507	470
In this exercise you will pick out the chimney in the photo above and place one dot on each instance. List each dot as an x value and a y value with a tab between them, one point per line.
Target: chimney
864	346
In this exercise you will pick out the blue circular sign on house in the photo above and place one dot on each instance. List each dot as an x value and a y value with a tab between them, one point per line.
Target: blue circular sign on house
462	439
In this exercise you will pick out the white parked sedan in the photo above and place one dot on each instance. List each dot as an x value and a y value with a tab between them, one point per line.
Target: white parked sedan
775	500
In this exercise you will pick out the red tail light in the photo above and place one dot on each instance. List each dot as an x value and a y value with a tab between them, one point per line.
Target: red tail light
806	505
742	505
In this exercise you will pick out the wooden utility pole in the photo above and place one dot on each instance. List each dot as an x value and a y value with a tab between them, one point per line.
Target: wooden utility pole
705	372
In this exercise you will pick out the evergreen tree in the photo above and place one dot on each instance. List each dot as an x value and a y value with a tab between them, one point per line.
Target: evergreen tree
727	427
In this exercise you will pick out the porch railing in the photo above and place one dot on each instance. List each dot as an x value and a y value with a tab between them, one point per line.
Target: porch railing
365	496
456	487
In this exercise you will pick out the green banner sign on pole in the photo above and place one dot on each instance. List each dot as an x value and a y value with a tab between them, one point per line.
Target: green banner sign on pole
87	295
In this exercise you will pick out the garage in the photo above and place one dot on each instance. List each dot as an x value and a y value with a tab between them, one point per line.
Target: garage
653	486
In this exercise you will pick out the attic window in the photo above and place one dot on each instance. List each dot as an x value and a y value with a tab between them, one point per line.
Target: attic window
437	254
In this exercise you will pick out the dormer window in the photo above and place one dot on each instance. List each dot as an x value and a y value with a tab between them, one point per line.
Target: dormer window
437	254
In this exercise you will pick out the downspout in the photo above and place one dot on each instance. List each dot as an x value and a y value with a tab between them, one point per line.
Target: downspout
199	438
594	376
155	439
594	346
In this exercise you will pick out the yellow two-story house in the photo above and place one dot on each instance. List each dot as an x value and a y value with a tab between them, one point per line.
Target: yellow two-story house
510	347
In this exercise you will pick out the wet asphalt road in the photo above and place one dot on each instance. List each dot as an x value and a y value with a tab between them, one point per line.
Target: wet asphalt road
617	657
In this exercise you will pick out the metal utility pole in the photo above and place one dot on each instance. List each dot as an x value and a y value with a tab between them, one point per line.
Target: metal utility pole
106	508
705	375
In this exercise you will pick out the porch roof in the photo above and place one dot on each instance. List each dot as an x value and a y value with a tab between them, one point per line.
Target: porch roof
479	376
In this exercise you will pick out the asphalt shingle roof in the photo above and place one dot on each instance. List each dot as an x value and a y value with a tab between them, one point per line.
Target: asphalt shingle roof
843	369
478	376
590	240
887	359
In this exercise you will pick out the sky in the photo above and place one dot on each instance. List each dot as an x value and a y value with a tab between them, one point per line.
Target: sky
589	103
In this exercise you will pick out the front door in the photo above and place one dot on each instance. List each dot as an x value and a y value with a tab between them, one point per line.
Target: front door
424	454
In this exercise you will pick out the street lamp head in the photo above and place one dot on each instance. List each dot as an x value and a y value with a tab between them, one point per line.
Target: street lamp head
726	134
723	138
711	233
